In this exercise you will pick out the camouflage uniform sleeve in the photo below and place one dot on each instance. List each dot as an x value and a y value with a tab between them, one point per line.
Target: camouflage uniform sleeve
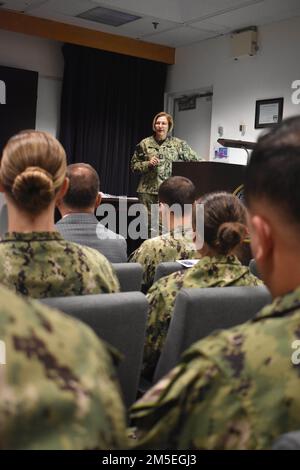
146	256
171	415
139	160
107	388
206	401
255	281
104	273
187	154
161	298
65	394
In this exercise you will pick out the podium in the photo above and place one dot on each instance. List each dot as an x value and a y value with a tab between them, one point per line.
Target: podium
211	176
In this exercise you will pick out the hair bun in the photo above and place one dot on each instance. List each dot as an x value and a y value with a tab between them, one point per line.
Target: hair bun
33	187
229	235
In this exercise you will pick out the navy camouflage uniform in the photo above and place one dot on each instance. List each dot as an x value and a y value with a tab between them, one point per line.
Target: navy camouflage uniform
216	271
43	264
177	244
170	150
235	389
59	388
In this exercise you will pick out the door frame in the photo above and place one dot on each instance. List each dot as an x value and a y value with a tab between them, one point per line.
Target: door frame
170	99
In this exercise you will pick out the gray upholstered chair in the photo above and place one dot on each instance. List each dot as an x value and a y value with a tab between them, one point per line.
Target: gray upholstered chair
198	312
120	320
288	441
253	268
166	268
129	275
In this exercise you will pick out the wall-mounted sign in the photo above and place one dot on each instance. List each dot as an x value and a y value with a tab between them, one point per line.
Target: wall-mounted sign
18	97
268	113
187	102
221	152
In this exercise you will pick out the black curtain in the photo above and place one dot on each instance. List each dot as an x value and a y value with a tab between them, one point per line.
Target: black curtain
108	103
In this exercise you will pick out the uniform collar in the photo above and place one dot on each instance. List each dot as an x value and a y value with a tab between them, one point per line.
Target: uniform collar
230	260
30	236
179	229
159	144
281	306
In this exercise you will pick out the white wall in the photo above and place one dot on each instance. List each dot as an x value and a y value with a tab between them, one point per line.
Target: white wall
238	84
42	56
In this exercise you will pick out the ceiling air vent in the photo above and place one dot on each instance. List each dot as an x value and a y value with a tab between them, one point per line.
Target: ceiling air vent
108	16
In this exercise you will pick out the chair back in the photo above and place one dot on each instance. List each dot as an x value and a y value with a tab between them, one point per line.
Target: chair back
120	320
129	275
166	268
200	311
253	268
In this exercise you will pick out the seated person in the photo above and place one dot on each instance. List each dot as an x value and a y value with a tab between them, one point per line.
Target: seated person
176	197
239	388
79	223
35	260
224	230
56	392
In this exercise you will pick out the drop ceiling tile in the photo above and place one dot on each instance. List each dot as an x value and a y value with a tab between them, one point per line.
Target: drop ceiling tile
191	9
19	5
258	14
165	9
209	26
82	23
181	22
64	7
179	37
145	26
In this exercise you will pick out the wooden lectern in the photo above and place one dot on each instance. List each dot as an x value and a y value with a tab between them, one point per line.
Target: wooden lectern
211	176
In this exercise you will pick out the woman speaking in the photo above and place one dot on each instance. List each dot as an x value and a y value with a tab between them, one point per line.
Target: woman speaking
154	155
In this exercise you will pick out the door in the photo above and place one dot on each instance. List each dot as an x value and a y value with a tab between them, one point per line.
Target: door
192	125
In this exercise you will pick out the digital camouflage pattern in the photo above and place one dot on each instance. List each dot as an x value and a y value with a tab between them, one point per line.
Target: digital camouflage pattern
170	150
58	386
148	199
43	264
216	271
167	247
235	389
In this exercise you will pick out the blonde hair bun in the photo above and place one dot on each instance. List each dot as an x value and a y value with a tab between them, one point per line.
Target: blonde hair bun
33	186
33	169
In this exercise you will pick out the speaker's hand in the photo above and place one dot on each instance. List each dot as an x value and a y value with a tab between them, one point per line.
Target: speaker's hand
154	161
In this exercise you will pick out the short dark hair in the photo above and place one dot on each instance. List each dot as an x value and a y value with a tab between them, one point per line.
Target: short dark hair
273	172
84	186
177	190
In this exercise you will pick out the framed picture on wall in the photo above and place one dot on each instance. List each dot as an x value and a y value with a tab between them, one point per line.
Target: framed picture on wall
268	113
